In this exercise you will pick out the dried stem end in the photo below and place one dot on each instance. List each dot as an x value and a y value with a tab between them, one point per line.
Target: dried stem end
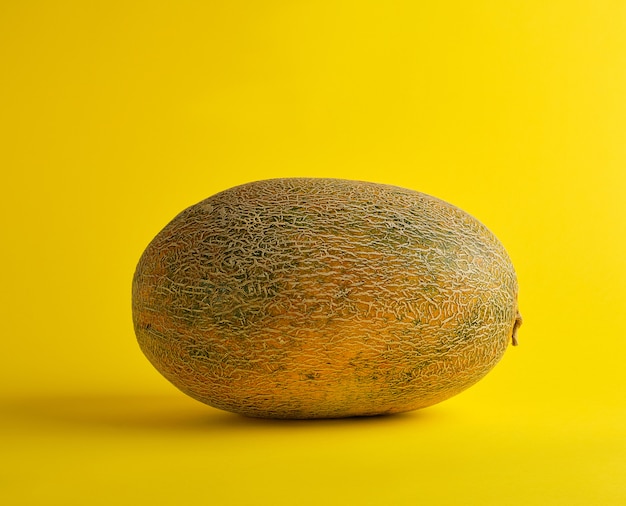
516	326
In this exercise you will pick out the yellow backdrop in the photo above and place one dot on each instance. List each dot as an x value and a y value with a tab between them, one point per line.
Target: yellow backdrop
117	115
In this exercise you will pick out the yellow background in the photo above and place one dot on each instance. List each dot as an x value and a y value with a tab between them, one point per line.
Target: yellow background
117	115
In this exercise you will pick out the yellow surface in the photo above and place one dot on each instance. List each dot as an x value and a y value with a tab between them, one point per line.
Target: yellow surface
117	115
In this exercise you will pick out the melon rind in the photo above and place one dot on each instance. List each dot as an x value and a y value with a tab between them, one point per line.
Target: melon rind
322	298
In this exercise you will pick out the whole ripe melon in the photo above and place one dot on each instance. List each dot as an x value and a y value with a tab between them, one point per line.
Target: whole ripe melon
320	298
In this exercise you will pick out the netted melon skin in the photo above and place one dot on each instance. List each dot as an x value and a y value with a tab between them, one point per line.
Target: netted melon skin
323	298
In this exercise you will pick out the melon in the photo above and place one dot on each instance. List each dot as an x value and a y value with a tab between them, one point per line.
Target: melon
324	298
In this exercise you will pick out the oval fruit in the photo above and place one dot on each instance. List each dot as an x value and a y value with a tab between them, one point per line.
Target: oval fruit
320	298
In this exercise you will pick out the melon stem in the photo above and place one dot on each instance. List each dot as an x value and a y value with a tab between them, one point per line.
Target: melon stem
516	326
